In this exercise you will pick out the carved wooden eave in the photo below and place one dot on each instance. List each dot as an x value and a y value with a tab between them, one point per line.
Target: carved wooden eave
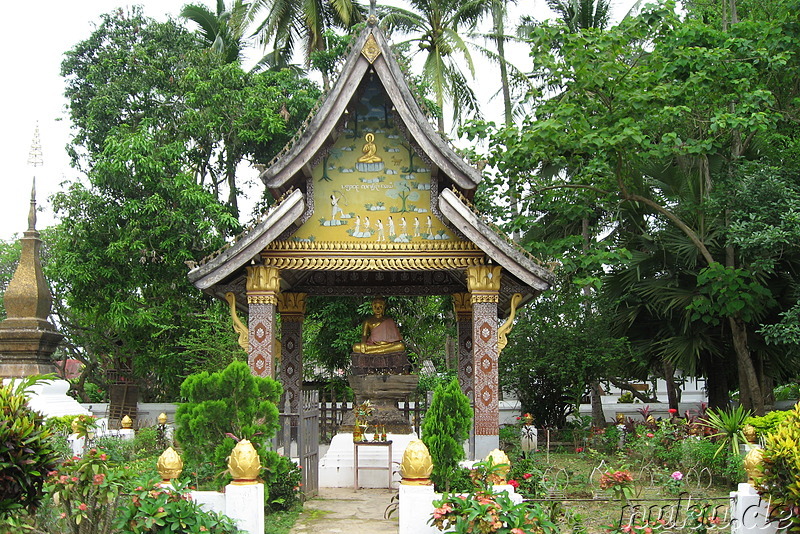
514	261
291	169
249	246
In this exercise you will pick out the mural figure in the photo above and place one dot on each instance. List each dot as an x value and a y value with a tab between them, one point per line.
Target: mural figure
381	235
429	226
357	226
416	226
335	209
369	150
403	226
391	227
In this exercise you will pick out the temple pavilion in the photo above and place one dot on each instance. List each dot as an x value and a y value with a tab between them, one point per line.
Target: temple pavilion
373	201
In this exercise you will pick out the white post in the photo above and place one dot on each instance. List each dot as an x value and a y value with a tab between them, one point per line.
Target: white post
245	504
750	513
415	509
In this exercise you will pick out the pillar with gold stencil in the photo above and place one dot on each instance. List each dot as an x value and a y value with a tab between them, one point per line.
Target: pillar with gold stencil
483	282
462	305
292	307
263	287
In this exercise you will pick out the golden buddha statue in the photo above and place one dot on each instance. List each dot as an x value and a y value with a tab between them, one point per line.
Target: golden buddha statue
379	334
369	150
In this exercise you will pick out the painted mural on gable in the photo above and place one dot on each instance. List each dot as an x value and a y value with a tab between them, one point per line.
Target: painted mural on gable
372	187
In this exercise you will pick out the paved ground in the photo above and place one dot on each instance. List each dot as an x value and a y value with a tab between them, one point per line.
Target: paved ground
342	510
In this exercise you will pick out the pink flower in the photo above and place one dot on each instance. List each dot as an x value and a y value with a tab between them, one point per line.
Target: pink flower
103	456
98	479
650	435
517	531
63	515
677	475
83	507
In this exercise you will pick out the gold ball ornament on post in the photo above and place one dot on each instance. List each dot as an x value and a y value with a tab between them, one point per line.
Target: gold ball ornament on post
417	464
499	458
752	463
244	464
169	465
126	422
162	418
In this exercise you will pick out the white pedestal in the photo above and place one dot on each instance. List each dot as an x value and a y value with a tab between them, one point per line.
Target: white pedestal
749	512
76	444
245	504
415	509
51	400
529	438
336	467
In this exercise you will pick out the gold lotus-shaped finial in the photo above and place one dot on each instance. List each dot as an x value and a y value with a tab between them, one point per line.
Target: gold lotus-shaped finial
750	433
162	418
169	464
243	463
417	464
499	457
752	463
75	426
126	422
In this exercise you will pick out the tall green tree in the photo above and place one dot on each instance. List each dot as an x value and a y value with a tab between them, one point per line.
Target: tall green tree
438	28
223	31
292	22
654	94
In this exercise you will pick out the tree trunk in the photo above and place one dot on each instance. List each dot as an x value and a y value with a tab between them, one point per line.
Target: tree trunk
717	382
672	389
498	13
750	395
595	395
233	201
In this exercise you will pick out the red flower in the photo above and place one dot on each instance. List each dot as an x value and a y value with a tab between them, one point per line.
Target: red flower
514	483
83	507
526	476
650	435
579	449
103	456
98	479
673	411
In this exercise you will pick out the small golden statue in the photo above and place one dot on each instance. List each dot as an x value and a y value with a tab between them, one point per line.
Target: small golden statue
379	334
369	150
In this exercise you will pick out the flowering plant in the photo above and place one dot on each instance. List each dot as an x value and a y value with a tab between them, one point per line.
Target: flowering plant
702	519
488	512
526	418
156	509
85	489
674	483
619	482
638	525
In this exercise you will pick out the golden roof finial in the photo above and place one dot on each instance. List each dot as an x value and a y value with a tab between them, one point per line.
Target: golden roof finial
32	211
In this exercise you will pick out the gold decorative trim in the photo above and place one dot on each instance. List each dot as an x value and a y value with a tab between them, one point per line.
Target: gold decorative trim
341	256
292	304
263	278
489	296
371	50
505	328
483	278
462	304
238	326
263	298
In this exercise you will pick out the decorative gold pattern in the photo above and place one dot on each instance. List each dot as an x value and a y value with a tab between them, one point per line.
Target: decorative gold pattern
752	463
417	464
263	278
244	464
483	278
262	298
499	457
292	306
371	50
462	305
238	326
169	465
333	256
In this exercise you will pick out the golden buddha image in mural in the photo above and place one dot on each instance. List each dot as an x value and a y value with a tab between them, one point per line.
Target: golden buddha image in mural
372	187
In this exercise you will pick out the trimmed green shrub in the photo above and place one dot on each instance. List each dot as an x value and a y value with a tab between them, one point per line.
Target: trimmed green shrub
26	450
766	424
281	481
444	430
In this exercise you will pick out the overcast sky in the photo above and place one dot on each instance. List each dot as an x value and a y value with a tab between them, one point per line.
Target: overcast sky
34	40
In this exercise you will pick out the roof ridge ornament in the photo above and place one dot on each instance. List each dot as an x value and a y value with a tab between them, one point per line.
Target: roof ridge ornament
371	50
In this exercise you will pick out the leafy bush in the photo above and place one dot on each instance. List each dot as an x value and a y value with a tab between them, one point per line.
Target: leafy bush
767	424
728	427
281	481
156	510
780	469
228	402
117	450
445	429
529	478
145	441
26	450
787	392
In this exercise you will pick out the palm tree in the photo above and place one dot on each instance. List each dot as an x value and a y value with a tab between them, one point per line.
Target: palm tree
435	26
582	14
224	30
290	21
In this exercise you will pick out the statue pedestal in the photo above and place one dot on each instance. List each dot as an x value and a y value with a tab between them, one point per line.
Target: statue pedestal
394	363
383	392
336	467
51	400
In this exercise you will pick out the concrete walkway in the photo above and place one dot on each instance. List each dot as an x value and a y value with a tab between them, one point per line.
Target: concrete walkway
342	510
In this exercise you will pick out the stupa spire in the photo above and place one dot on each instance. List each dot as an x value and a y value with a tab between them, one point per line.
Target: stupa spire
35	158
